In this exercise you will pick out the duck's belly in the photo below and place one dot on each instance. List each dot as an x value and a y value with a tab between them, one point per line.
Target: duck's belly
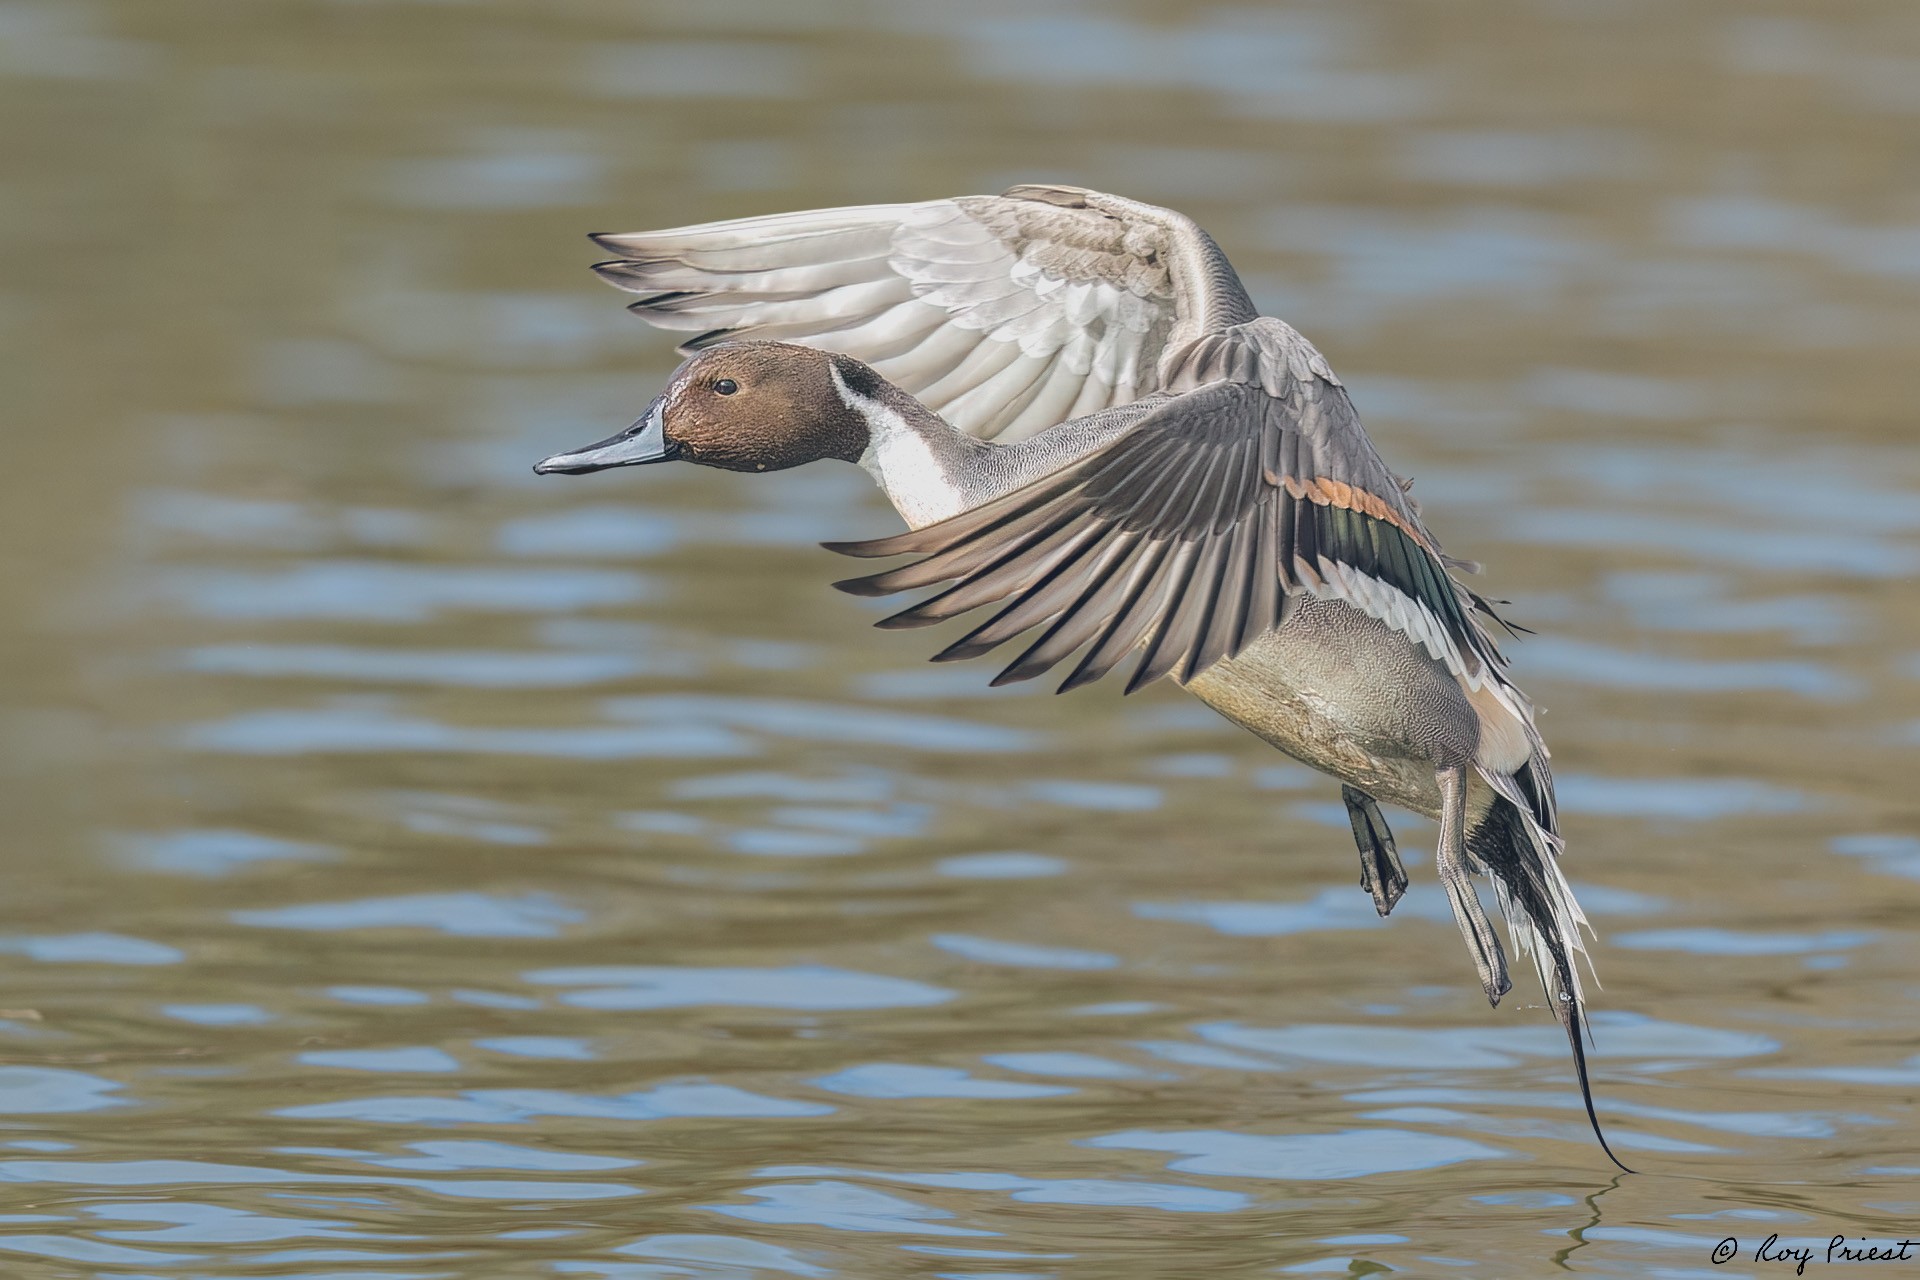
1351	696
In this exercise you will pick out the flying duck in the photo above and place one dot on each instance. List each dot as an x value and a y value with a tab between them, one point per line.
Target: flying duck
1088	428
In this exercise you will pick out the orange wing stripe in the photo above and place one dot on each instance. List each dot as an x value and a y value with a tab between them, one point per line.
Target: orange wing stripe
1329	492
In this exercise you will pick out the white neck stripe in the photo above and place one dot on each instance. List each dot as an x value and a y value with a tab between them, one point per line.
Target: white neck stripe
901	460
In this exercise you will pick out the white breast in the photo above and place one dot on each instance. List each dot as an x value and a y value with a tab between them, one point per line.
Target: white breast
903	462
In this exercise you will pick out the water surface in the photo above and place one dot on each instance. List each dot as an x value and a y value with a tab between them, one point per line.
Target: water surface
418	869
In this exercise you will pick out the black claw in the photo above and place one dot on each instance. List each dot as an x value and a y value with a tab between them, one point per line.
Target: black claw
1381	874
1497	985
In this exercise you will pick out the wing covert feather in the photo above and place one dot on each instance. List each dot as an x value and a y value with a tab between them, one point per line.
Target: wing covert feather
1183	538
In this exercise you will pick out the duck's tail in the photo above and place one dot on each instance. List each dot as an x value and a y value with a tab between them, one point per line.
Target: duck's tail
1515	842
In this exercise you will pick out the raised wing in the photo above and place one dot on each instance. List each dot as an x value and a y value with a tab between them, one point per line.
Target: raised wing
1184	537
1005	314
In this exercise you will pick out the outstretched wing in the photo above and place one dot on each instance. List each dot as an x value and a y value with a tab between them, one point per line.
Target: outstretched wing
1184	537
1005	314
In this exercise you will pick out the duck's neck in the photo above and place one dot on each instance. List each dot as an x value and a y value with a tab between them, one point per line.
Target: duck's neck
927	469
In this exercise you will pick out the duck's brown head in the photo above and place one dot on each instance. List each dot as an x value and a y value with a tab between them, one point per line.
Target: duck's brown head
742	406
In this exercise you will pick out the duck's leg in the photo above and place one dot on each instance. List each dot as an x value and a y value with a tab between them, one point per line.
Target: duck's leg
1450	860
1380	871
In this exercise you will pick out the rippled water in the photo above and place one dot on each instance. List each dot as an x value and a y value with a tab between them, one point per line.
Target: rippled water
418	869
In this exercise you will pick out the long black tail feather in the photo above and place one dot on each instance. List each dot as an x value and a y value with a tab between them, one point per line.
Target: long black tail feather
1503	844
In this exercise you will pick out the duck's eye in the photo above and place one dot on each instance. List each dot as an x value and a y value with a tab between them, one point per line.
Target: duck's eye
726	386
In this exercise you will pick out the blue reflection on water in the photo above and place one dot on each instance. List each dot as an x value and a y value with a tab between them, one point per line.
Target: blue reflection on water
1590	663
1897	855
73	1249
814	987
1677	600
504	169
1329	909
389	996
1905	1075
493	999
470	915
895	821
851	788
478	327
465	668
1195	764
1731	942
1383	260
381	591
204	515
1203	1055
1264	63
1615	1034
1062	1063
729	1252
373	728
843	1206
212	852
1775	1124
1611	394
622	533
821	722
1605	899
770	842
1526	1199
215	1224
907	1080
92	948
562	1048
1353	1153
1331	813
1092	1192
1521	157
955	1251
1001	866
414	1058
50	1090
219	1015
172	1173
470	1153
930	683
681	69
1285	777
517	1106
1106	797
1814	489
1021	954
1675	799
1812	551
1756	222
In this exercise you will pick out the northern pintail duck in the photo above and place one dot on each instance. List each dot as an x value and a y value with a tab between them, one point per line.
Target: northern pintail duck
1075	407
